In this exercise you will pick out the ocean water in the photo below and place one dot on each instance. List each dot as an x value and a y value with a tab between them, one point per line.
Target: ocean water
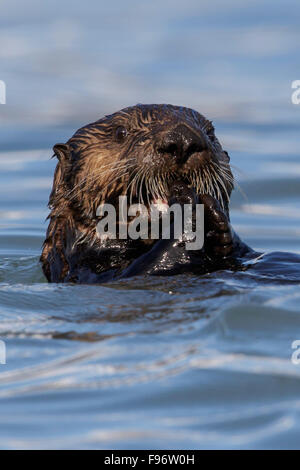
178	362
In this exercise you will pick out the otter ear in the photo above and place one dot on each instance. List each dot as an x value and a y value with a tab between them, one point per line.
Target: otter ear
62	152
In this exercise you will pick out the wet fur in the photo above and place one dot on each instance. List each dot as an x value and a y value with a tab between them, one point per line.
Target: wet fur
95	167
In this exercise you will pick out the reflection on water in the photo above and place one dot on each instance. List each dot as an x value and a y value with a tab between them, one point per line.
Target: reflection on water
179	362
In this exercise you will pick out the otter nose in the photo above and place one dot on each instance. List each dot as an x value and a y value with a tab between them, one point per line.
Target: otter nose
181	142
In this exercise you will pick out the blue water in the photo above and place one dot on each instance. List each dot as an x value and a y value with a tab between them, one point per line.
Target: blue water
179	362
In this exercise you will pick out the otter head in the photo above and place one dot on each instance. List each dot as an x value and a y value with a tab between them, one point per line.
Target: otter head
140	152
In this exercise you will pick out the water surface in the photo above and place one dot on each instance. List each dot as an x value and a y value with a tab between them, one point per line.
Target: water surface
178	362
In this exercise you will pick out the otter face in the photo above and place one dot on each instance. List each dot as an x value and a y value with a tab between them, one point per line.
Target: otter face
140	152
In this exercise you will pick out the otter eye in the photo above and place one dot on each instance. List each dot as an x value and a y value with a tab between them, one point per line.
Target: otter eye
121	133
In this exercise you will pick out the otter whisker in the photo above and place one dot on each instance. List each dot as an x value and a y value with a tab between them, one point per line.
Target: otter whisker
208	185
141	199
113	170
95	174
225	171
147	186
151	184
224	187
133	184
161	188
225	178
123	170
91	180
216	185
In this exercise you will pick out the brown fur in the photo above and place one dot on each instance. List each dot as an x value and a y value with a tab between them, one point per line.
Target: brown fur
94	167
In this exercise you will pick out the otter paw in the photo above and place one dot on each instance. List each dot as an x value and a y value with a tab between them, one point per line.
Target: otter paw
218	232
182	194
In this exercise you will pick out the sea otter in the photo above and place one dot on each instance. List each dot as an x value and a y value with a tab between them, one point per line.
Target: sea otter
148	153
